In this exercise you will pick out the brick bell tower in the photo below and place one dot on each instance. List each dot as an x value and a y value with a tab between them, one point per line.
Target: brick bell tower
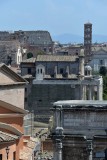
87	41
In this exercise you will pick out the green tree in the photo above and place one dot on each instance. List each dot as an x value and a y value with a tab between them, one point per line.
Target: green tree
29	55
103	71
105	87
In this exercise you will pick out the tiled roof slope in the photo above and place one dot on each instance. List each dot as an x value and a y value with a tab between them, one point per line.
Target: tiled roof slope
6	137
56	58
30	60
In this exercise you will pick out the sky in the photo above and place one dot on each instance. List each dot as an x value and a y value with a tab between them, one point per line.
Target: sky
56	16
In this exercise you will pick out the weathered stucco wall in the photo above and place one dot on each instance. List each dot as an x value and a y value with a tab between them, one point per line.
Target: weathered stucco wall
13	95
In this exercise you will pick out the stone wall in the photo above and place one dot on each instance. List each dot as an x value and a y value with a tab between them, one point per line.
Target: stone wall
42	96
12	94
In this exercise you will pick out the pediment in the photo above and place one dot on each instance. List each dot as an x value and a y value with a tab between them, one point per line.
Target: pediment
6	108
40	66
101	52
8	76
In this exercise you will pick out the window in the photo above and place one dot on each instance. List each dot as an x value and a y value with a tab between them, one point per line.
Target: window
74	70
44	49
29	70
14	155
25	99
38	71
0	156
101	62
41	71
61	70
25	89
88	29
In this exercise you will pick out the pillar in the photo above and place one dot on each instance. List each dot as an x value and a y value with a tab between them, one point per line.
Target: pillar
81	92
89	93
89	149
55	71
85	91
58	155
99	92
100	88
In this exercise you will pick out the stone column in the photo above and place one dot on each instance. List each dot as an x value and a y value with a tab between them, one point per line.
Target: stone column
55	71
89	93
57	139
67	71
89	149
81	92
84	90
99	92
57	135
92	92
59	149
100	88
57	117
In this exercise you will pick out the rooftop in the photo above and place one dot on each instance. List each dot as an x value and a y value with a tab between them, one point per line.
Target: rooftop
57	58
6	137
30	60
85	103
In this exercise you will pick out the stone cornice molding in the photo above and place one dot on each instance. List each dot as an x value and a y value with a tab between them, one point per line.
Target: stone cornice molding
8	115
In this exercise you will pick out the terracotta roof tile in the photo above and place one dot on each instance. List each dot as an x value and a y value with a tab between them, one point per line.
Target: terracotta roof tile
30	60
4	137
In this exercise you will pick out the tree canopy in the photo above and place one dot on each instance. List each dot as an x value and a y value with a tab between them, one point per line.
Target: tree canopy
103	71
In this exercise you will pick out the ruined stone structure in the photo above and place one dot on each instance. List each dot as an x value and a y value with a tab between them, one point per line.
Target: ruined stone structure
79	130
11	52
40	40
15	46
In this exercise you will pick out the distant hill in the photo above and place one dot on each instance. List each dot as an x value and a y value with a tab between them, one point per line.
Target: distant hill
72	38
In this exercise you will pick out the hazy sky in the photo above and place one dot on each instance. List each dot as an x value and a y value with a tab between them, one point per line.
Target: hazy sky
56	16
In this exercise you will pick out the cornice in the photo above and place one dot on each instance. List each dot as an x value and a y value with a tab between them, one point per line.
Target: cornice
8	115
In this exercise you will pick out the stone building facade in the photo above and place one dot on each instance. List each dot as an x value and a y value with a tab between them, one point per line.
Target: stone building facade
78	130
11	87
54	80
98	59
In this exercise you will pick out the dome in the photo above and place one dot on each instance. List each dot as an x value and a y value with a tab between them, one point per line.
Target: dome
88	68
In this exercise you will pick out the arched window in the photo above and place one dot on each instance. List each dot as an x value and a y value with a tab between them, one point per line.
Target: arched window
38	71
41	71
